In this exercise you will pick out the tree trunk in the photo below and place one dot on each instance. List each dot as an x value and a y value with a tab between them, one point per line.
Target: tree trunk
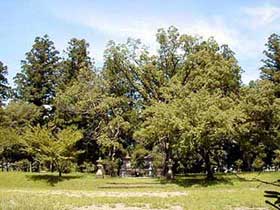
30	166
209	171
59	173
167	157
247	162
51	166
2	166
39	166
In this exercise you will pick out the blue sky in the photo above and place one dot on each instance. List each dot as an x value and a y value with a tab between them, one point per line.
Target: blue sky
242	24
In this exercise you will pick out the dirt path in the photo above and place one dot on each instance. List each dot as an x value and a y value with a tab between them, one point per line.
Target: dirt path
74	193
120	206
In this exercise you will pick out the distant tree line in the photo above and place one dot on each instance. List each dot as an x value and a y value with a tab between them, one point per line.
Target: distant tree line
186	102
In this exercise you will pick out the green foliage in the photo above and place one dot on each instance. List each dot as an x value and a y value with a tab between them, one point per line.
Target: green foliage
276	160
198	123
77	60
38	78
181	60
20	114
8	137
271	68
4	88
48	145
185	102
23	165
87	167
238	164
138	157
259	119
258	163
111	166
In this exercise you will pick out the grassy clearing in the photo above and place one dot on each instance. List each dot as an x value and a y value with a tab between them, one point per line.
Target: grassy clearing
48	191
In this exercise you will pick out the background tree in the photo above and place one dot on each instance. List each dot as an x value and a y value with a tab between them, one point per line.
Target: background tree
8	138
200	123
16	116
20	114
48	145
4	88
39	75
257	133
271	68
185	101
77	59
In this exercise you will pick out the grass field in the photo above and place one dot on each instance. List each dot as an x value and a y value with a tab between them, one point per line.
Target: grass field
84	191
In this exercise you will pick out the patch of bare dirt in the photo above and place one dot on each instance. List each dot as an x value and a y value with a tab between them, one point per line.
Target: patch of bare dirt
104	194
120	206
247	208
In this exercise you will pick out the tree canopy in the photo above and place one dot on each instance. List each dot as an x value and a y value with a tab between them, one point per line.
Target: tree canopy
183	102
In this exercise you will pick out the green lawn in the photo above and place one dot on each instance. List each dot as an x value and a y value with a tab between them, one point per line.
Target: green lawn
48	191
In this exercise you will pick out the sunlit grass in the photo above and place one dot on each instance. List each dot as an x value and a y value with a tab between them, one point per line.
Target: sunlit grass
48	191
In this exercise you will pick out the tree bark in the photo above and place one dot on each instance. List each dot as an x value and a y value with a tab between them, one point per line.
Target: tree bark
2	166
30	166
167	157
208	167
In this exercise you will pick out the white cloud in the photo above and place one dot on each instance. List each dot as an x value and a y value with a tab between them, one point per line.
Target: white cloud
245	35
121	26
263	15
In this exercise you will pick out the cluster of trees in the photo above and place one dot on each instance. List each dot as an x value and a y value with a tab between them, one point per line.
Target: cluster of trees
184	103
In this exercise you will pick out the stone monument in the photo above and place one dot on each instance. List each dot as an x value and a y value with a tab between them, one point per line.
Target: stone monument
100	169
149	163
169	174
126	167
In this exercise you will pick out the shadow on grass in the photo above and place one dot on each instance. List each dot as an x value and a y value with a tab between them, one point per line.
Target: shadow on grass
125	187
51	179
130	185
188	181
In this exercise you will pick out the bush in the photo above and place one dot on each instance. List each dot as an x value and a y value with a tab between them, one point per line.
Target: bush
238	163
23	165
138	157
87	167
111	167
276	160
258	163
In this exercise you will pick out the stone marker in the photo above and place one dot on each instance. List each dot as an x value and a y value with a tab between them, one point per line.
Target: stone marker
100	170
169	174
126	166
149	163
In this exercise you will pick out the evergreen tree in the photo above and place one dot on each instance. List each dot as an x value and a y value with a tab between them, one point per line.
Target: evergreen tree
4	88
271	68
77	59
40	72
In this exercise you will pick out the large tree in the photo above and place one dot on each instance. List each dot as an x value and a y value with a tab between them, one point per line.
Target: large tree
190	61
183	65
199	123
39	73
257	132
86	104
